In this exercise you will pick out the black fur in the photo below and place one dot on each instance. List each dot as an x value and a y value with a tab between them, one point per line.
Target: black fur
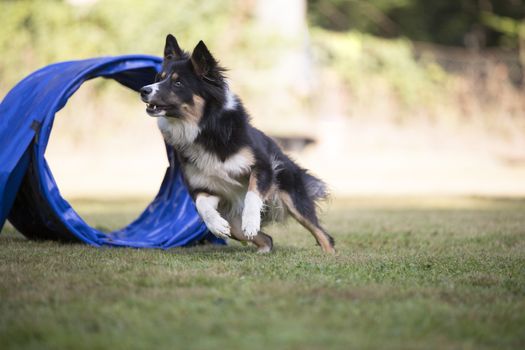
225	131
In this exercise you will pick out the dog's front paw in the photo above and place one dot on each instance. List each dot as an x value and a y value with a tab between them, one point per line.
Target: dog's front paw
251	223
218	226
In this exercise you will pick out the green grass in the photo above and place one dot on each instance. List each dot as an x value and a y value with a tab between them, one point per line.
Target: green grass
429	273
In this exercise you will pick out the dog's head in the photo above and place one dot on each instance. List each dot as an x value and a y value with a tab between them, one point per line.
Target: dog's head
185	84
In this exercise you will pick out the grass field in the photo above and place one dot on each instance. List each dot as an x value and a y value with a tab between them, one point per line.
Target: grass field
432	273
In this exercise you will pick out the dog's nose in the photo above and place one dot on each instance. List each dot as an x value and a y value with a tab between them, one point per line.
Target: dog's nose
145	91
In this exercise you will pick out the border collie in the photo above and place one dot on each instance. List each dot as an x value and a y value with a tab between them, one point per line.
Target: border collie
239	178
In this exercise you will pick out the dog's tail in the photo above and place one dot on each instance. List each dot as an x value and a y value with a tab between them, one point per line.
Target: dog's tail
316	189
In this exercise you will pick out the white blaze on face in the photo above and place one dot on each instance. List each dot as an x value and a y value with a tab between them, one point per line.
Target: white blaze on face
154	111
154	89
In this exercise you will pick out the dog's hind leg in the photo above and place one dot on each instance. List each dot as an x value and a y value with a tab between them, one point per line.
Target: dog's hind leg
262	241
303	211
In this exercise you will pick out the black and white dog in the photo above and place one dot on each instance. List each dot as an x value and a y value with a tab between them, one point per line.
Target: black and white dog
239	177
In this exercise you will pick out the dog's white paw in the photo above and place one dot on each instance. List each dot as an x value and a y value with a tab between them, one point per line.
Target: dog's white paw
251	223
218	226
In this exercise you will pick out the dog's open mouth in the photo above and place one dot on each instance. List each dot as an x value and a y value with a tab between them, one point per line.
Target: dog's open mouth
153	109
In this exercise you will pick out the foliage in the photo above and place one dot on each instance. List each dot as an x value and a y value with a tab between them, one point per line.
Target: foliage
448	22
509	26
38	32
359	59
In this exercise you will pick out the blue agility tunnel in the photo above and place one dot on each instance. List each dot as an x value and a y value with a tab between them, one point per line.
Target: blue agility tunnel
29	196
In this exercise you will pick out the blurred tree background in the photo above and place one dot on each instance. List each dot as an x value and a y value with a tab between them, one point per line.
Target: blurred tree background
452	64
468	23
39	32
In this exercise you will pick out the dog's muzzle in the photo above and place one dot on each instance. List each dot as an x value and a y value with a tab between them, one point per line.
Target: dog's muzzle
145	93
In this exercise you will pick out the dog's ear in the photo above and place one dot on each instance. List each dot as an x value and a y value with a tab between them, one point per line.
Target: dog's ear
172	49
204	65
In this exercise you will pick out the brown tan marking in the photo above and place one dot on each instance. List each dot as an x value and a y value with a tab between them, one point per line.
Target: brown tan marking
174	76
252	185
193	112
316	231
262	241
163	75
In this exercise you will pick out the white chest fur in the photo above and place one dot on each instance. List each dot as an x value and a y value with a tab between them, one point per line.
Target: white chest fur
228	178
203	169
178	132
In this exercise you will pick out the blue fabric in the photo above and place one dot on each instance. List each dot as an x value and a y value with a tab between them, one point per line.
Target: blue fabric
29	196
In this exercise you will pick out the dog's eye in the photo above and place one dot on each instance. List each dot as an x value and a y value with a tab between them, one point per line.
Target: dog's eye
177	84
